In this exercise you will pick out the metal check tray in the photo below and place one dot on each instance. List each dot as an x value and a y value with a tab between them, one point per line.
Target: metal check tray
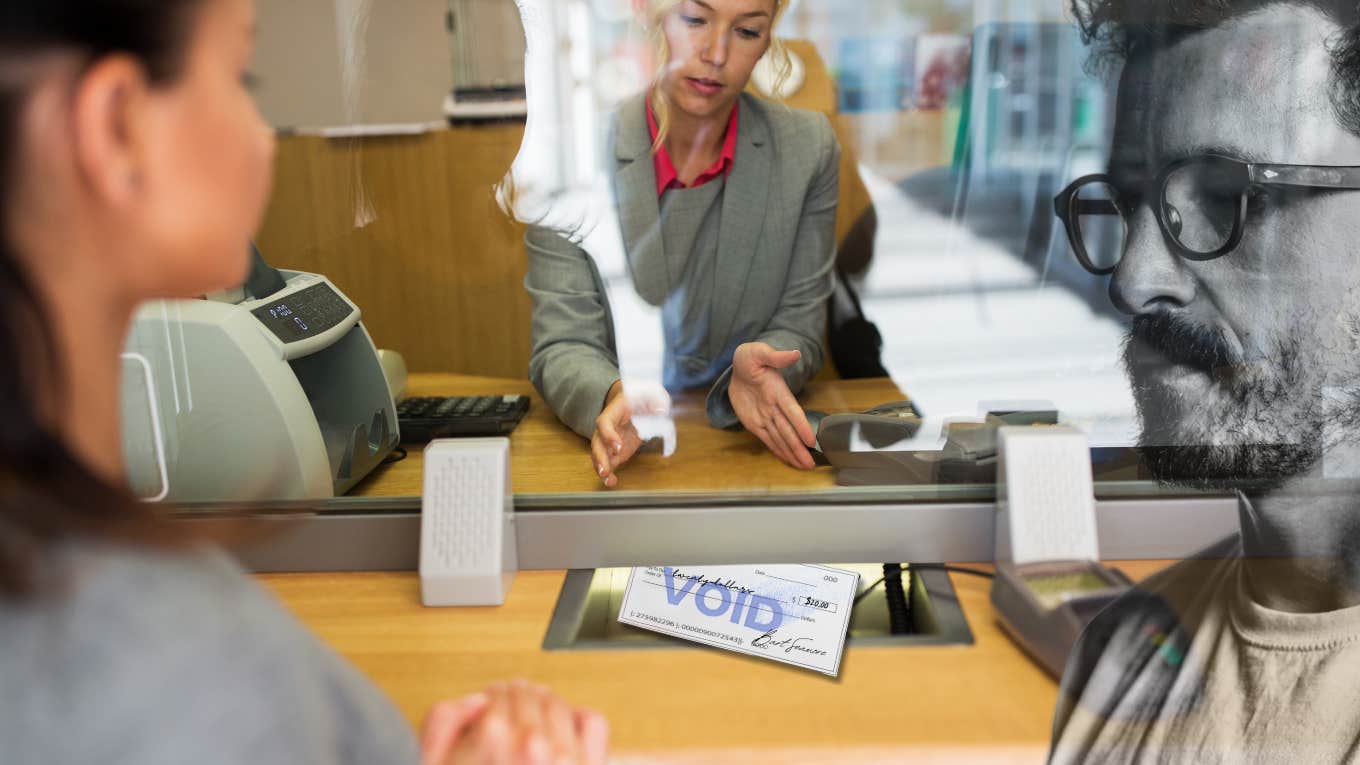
586	616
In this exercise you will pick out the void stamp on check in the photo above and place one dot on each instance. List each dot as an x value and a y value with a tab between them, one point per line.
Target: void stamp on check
797	614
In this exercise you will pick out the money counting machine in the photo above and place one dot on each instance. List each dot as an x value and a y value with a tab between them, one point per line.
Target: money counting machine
271	391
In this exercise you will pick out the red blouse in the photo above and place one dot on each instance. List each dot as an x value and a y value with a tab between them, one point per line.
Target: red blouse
666	175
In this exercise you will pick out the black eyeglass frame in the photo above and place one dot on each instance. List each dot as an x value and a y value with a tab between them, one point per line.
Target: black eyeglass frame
1248	174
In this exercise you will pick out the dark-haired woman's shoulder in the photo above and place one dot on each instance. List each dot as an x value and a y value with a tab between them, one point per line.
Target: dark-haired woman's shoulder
173	657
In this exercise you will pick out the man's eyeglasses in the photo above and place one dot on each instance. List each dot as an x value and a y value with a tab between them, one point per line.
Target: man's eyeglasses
1200	203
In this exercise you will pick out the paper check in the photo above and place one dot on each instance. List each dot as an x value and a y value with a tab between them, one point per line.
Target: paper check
792	613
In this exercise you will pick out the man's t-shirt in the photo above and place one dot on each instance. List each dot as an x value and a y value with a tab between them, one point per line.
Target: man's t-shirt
1187	668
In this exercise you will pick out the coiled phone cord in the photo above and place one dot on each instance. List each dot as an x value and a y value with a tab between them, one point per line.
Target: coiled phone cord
899	606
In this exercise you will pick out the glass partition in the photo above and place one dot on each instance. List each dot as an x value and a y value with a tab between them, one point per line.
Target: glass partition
746	256
920	200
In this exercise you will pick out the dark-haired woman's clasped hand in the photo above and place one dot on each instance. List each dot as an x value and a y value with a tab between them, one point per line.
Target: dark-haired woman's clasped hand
765	405
515	723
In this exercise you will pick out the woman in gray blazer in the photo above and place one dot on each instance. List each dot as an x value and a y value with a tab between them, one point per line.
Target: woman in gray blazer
727	206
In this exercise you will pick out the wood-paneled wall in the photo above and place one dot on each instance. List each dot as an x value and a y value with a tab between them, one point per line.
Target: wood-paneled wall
409	228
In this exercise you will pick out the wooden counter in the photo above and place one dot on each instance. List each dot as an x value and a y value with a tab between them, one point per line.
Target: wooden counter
948	704
547	458
984	702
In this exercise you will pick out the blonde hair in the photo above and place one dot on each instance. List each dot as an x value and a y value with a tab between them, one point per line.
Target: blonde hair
656	15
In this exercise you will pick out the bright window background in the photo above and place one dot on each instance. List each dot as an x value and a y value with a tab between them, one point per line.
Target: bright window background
966	119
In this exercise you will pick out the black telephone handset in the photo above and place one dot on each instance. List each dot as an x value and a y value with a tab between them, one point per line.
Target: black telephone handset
264	280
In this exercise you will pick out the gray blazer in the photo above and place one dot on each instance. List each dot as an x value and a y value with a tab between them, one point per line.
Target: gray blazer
776	244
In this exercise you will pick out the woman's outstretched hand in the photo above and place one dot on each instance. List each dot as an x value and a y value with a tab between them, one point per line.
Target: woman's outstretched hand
766	406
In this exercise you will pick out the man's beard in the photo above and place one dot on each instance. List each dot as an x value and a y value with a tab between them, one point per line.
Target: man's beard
1265	428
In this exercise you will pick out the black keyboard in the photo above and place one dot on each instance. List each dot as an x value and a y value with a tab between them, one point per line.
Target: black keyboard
426	418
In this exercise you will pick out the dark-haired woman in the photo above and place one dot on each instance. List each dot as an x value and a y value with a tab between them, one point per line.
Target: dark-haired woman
133	165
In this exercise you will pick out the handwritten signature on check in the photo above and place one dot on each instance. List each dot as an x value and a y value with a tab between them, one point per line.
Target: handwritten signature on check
789	645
